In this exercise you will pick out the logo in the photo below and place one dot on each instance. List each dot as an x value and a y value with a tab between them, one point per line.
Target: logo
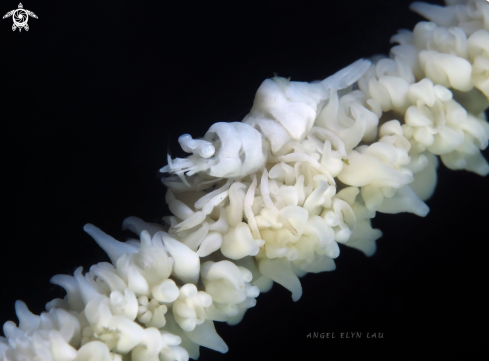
20	17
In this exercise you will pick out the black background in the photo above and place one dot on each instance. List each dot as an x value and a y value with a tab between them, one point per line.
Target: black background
96	92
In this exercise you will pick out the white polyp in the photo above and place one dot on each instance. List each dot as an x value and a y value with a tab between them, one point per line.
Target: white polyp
192	221
112	247
109	276
137	225
318	228
137	282
94	350
73	294
295	216
27	320
87	291
239	242
187	262
166	291
194	239
224	281
405	200
439	14
68	326
447	70
221	224
206	335
209	196
188	309
211	243
236	203
149	347
214	202
212	271
180	209
363	169
60	349
280	271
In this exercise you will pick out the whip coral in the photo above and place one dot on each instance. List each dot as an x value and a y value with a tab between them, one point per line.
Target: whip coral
271	198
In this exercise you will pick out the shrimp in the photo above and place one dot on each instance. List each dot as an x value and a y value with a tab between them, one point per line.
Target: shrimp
283	113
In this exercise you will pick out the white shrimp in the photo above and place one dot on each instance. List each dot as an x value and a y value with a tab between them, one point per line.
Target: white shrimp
283	112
